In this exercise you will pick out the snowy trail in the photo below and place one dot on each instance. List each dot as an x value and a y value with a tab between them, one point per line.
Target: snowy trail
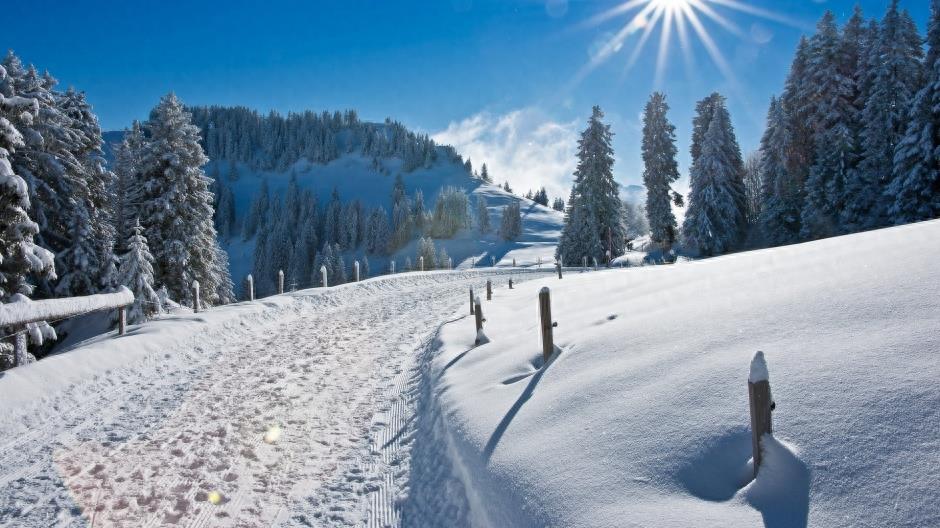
299	421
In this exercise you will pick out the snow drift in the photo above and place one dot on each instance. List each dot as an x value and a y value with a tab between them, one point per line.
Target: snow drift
641	418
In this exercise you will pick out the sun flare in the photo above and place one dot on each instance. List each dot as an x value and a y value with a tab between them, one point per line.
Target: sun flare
682	18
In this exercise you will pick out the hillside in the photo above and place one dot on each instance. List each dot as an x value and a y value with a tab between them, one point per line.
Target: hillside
641	418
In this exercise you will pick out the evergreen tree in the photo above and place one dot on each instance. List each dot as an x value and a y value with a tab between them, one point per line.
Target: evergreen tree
753	188
136	272
831	87
594	208
894	63
332	223
339	266
511	222
365	272
714	222
661	170
427	250
483	216
127	161
485	174
451	213
914	191
782	189
176	207
377	232
559	204
257	212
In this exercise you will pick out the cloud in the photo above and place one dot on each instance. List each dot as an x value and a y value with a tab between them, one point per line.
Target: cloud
525	147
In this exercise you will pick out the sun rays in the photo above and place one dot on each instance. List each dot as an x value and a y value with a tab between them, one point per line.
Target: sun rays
689	21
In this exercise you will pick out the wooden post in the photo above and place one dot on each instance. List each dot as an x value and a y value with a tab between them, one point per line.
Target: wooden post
510	283
20	352
393	267
197	305
280	282
122	319
478	319
421	263
471	300
323	281
356	270
489	290
251	288
558	265
762	405
545	316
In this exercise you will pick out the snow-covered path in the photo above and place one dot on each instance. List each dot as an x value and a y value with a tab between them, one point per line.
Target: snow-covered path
296	419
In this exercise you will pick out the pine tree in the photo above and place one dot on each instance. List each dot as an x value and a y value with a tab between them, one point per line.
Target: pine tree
894	63
782	189
378	232
176	209
594	208
661	170
914	190
483	216
510	226
136	272
127	160
258	211
427	250
339	266
485	174
831	86
559	204
715	220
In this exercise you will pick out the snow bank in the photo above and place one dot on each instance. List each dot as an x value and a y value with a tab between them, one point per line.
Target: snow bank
641	418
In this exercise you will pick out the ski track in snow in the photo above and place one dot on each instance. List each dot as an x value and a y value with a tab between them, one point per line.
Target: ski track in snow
343	376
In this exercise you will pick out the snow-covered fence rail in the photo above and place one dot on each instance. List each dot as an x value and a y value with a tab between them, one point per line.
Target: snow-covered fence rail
18	315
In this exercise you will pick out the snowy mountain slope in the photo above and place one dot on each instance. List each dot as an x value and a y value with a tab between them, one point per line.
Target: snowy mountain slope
642	419
293	410
355	178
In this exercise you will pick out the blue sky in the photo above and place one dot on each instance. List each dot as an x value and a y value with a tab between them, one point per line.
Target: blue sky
498	77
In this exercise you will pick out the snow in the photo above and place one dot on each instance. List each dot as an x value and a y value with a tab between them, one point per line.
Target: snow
642	418
26	310
758	369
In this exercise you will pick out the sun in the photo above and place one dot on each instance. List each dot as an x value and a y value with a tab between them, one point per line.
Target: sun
680	18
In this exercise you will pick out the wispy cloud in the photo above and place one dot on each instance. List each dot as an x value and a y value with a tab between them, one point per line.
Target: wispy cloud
525	147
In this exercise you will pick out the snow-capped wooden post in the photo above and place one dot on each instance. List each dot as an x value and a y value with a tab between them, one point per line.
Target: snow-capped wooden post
122	319
251	287
514	262
489	290
421	263
392	267
356	270
558	265
762	405
323	276
510	283
196	304
450	263
280	282
478	319
471	300
545	316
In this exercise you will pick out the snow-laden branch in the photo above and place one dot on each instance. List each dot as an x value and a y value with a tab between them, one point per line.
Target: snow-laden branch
23	310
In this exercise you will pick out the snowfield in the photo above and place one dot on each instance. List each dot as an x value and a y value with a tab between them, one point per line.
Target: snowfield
641	418
369	405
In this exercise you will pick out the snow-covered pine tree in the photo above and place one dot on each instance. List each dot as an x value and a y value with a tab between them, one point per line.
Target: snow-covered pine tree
333	220
136	272
753	189
485	174
594	217
782	189
257	212
715	220
225	212
176	207
442	258
914	191
127	159
510	226
831	87
483	216
895	74
451	213
427	250
20	257
507	188
559	204
340	275
796	107
660	170
378	233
